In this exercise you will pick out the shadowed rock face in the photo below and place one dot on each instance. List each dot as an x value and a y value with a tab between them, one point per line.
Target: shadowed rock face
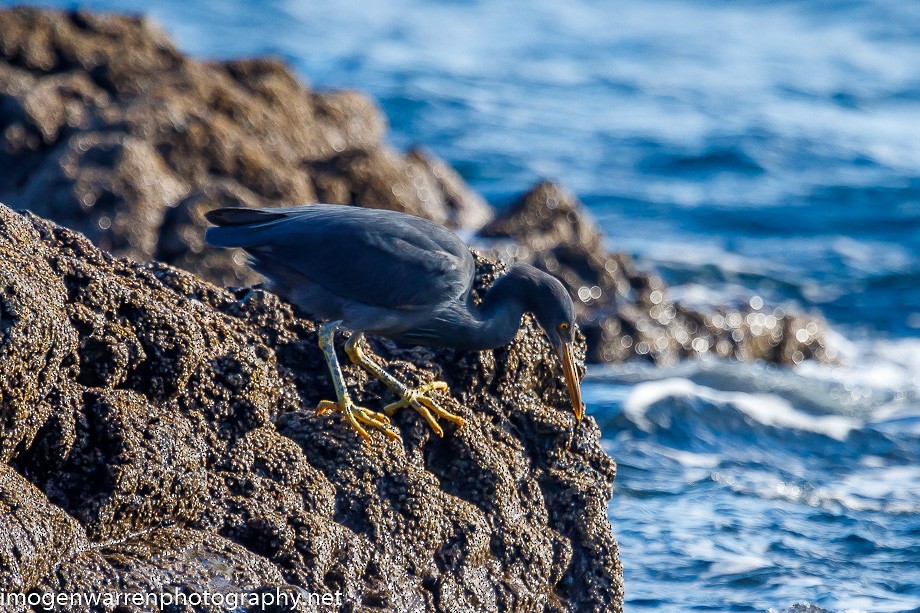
157	432
107	128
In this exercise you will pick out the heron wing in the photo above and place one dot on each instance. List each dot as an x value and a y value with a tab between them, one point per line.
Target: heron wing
374	257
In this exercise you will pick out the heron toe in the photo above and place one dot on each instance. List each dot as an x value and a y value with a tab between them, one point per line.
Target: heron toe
356	416
420	400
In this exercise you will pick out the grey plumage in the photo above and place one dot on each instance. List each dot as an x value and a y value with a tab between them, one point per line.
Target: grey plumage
377	271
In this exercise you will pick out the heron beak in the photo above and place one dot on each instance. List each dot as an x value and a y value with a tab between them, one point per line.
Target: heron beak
571	378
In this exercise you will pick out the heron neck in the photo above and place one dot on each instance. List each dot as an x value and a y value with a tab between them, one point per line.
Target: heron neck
499	316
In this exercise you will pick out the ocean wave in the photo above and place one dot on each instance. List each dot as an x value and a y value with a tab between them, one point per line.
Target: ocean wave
656	405
703	415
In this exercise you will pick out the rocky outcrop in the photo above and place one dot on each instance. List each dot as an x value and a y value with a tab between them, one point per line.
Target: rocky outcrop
107	128
626	313
157	433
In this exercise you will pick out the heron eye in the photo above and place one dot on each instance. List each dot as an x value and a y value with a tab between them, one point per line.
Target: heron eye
563	326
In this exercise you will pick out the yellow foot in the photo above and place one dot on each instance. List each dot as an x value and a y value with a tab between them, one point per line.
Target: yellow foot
420	400
356	416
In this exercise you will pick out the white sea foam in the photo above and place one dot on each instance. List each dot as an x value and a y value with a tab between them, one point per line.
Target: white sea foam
768	409
737	564
878	381
892	363
690	459
891	490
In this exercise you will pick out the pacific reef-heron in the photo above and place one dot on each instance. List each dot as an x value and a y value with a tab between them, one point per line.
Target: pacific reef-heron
396	276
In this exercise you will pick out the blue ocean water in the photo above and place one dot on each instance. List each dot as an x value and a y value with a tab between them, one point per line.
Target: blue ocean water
738	148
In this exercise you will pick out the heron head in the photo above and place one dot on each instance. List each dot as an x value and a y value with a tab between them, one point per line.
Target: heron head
553	308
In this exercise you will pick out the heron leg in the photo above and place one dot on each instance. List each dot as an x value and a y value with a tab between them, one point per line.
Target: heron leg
355	415
418	398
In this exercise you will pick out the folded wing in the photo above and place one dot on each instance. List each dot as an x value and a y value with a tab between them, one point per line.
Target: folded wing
374	257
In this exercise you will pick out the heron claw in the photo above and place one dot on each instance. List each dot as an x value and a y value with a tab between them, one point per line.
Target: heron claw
356	416
420	400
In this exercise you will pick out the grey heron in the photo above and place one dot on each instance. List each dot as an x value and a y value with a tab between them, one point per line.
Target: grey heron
396	276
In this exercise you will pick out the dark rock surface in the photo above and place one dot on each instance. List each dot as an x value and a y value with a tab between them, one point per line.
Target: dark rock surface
156	432
625	313
107	128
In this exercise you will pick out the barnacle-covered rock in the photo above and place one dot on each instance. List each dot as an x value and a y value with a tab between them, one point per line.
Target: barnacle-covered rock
157	433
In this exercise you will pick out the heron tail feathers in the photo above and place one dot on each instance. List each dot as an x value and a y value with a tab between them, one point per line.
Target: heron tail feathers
244	227
239	216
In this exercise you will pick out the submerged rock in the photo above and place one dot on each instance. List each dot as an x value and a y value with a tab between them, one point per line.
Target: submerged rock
804	607
157	433
625	313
